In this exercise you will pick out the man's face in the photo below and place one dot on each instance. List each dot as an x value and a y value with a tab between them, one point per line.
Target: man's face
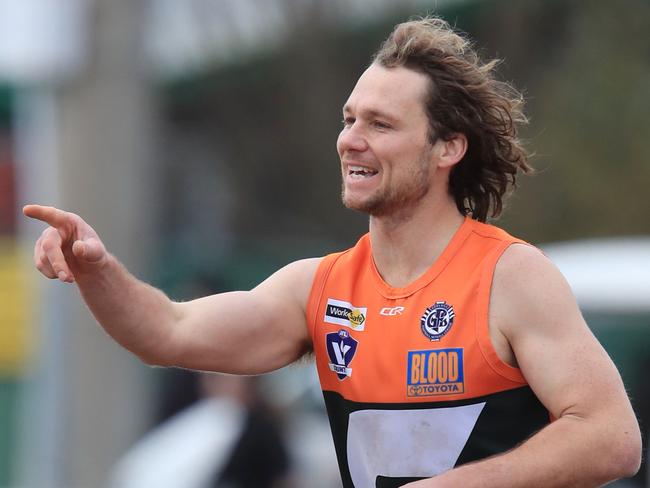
384	146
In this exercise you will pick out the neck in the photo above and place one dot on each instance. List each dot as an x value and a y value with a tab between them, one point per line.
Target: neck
405	246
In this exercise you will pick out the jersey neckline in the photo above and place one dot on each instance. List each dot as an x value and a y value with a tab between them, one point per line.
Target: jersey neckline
430	274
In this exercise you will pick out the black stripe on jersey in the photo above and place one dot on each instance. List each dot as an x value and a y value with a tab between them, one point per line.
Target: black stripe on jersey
386	482
508	418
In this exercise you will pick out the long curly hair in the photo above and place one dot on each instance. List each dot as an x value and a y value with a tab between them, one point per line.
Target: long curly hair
464	97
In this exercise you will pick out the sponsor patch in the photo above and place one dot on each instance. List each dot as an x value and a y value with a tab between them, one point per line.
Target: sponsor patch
435	372
345	314
437	320
341	349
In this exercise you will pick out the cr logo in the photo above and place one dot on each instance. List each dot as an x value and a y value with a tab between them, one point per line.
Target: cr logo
391	311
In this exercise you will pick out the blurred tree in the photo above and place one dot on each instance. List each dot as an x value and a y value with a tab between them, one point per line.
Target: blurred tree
589	127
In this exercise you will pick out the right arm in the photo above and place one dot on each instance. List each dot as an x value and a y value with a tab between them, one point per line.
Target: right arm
244	332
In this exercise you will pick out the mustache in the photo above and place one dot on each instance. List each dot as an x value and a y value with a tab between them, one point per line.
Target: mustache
359	162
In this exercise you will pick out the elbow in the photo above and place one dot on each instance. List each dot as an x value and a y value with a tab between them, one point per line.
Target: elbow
157	356
625	455
631	460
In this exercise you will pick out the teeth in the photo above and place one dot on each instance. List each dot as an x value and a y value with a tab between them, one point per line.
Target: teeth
361	170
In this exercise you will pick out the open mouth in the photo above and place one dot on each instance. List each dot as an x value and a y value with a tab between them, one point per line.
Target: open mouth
361	172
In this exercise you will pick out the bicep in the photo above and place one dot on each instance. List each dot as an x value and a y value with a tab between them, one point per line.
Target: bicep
246	332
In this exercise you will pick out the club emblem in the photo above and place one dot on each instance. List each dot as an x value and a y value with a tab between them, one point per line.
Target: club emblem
437	320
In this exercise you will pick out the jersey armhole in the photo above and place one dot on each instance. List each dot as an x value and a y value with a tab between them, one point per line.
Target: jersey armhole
316	292
483	313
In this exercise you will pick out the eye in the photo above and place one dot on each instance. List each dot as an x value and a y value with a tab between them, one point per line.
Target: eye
347	121
381	125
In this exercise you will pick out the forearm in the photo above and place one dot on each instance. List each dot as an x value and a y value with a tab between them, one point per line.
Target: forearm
135	314
570	452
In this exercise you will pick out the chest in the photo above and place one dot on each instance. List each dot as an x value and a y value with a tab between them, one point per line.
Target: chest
416	347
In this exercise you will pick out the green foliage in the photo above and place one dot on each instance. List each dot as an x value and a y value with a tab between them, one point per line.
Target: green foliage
589	127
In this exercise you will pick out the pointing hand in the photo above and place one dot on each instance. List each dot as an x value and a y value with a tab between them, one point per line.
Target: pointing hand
68	247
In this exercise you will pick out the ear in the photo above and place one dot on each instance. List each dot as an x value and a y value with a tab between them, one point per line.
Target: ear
452	151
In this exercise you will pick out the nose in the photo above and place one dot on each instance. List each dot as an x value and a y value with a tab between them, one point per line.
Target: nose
351	138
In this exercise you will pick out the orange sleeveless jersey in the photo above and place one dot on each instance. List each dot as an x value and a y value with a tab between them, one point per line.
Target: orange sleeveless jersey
411	381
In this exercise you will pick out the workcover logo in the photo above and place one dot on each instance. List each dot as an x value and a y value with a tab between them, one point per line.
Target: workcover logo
435	372
346	314
341	349
437	320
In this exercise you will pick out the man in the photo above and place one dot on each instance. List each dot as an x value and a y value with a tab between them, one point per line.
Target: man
450	354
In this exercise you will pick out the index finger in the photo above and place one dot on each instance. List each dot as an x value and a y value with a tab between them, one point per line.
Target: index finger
50	215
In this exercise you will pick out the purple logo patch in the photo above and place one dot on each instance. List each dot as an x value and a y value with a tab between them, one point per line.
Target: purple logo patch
341	349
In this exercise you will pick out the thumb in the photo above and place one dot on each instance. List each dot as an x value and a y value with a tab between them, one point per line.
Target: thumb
90	250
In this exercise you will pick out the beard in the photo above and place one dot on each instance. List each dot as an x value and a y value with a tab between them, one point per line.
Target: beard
398	198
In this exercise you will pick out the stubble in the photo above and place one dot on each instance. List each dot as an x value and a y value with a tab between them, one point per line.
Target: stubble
400	196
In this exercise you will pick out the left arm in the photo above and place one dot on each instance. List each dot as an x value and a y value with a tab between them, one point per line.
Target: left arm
595	437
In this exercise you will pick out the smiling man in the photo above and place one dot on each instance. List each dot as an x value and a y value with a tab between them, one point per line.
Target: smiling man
450	353
385	148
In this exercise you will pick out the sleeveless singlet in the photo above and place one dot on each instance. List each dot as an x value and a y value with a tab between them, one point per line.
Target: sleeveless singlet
412	384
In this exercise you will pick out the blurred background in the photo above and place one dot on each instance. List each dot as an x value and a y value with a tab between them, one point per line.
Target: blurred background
198	138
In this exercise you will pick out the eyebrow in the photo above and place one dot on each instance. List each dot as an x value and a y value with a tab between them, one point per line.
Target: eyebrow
371	113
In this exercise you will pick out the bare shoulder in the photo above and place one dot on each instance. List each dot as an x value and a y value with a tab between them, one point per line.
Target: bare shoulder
522	264
303	269
292	282
528	290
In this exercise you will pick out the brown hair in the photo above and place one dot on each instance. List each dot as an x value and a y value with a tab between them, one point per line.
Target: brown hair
464	97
